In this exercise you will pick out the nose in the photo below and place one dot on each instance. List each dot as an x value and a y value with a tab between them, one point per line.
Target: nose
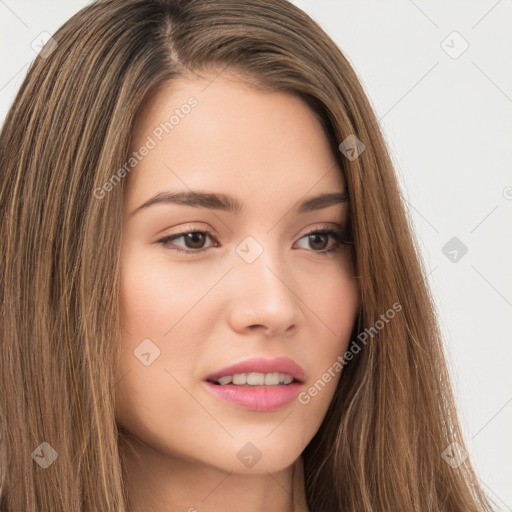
265	297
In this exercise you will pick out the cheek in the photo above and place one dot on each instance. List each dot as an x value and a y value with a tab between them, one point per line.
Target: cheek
147	293
335	302
163	323
156	293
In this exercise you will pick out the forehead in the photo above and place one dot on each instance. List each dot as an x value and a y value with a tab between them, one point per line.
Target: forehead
219	133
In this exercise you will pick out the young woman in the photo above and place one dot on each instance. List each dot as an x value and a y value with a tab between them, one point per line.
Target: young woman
210	294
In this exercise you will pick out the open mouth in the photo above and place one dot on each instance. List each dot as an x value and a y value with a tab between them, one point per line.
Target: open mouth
255	379
258	384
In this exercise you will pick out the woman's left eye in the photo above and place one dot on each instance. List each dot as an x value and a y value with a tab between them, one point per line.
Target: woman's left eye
321	237
195	239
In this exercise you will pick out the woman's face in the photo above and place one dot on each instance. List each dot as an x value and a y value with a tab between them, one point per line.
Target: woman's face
252	284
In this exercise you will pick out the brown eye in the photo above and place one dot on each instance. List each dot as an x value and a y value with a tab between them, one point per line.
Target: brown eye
194	241
318	241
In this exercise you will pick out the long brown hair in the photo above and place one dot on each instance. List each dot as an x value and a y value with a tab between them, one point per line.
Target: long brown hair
381	445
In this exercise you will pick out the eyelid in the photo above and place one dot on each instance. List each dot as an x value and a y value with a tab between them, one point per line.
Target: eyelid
326	226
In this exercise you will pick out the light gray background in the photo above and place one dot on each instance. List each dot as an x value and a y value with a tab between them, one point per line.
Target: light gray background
449	127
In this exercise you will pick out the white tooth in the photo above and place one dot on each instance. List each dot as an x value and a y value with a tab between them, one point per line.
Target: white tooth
256	379
288	379
239	379
271	379
285	379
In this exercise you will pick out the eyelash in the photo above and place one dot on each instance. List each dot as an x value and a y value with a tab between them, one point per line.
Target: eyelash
338	236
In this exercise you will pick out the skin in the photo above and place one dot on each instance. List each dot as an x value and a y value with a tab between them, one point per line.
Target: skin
209	310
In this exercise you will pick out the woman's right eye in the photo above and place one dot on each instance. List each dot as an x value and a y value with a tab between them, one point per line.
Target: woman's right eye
195	240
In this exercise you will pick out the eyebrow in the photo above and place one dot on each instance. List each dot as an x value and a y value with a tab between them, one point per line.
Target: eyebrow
230	204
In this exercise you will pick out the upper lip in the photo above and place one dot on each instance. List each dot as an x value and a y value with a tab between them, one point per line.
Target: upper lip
262	365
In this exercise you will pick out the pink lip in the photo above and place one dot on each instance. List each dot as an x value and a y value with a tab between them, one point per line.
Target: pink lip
259	398
261	365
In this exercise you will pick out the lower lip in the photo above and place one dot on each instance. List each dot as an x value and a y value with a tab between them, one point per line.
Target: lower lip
257	398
